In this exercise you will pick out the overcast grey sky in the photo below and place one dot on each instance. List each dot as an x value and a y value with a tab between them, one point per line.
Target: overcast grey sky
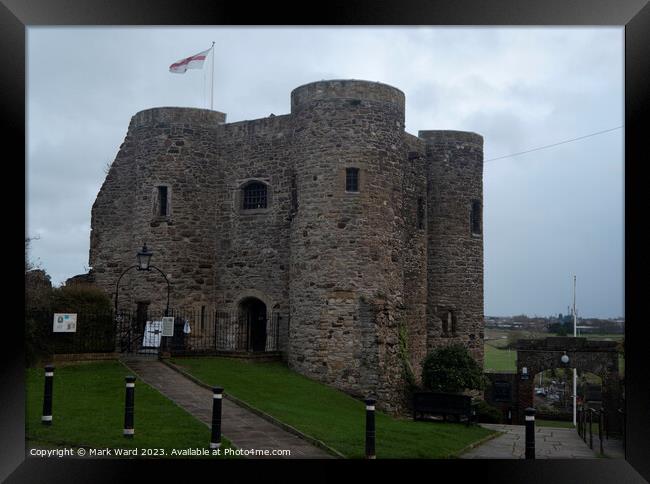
547	214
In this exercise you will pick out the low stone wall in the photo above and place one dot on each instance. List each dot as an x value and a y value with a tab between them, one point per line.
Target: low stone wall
85	357
502	393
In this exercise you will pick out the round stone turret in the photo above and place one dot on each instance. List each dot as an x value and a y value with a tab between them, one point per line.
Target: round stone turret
173	115
455	277
355	91
451	136
348	153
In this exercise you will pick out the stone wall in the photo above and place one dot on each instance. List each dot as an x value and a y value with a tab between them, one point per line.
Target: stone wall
597	357
253	245
177	148
359	278
347	242
455	253
496	394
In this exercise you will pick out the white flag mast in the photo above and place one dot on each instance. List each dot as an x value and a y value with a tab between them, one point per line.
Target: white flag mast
212	80
575	371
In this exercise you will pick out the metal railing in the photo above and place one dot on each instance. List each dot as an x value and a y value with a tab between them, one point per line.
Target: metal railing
95	333
195	332
200	331
586	418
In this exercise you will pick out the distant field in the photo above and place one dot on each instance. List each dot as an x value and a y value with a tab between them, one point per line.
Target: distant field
497	335
497	358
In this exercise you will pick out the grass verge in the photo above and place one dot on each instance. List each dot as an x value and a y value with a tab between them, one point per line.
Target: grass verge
327	414
88	411
554	423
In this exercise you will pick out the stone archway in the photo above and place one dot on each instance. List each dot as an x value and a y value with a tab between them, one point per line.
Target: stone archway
253	314
598	357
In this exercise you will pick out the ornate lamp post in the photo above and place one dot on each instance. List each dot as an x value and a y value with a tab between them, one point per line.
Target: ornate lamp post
144	258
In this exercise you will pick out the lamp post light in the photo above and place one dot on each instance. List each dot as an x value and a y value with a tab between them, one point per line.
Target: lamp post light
144	264
524	373
144	258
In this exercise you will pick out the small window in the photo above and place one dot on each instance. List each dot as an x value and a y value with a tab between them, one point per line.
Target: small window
449	323
476	218
352	179
254	196
294	195
163	202
420	215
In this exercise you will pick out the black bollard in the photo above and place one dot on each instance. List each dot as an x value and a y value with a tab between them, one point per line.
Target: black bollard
217	397
530	433
370	428
129	404
46	419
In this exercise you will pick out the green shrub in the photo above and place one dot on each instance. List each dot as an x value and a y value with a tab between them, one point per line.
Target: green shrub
80	298
452	369
95	326
38	298
38	343
487	413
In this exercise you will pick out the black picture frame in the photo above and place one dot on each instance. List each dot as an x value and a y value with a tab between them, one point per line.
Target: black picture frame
17	15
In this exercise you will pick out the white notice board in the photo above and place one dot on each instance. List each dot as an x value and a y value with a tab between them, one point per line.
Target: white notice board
65	323
168	326
151	337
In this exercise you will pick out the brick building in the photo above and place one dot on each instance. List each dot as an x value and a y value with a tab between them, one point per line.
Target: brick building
365	238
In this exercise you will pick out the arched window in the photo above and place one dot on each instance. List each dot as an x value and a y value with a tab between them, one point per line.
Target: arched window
254	196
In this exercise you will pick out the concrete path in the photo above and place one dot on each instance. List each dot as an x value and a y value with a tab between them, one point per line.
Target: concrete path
242	427
550	443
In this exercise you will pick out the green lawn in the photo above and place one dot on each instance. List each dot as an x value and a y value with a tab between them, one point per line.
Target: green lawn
499	360
88	411
327	414
553	423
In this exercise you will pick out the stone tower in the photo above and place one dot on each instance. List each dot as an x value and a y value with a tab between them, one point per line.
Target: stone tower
368	241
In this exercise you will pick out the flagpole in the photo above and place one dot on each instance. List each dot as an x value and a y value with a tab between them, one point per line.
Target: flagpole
212	80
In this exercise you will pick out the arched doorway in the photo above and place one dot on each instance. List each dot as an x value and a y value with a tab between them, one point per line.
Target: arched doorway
253	317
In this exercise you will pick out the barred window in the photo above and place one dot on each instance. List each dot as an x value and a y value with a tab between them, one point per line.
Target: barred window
254	196
352	179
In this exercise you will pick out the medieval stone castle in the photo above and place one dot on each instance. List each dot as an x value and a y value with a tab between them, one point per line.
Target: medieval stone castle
367	240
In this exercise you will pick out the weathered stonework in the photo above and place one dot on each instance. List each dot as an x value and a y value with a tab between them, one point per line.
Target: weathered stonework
349	271
597	357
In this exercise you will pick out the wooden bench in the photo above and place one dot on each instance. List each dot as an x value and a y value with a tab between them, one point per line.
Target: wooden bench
443	404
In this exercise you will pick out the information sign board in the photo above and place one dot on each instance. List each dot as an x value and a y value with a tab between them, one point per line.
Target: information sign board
65	323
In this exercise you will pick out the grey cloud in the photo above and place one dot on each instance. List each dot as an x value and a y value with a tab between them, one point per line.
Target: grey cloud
547	214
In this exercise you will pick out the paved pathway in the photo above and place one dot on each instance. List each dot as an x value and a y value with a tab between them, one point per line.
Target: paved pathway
242	427
550	443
